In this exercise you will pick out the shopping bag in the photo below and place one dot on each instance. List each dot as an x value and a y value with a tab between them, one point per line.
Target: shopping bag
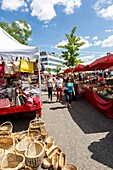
26	66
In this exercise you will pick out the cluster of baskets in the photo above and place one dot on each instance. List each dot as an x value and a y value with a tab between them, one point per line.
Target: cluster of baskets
29	149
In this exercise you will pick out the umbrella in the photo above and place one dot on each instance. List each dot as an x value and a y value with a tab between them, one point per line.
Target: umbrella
79	68
102	63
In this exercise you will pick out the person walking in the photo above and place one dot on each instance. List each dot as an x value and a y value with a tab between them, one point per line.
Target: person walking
69	91
49	84
59	86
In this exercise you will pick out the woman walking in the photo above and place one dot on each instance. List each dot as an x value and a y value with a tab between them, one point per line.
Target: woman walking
49	84
69	91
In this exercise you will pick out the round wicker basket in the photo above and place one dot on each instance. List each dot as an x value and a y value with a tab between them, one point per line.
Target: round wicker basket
22	145
6	126
36	124
13	161
34	154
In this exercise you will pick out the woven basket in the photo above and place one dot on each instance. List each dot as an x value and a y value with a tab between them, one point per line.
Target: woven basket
69	167
34	154
7	142
36	124
6	126
13	161
22	145
26	168
4	133
33	134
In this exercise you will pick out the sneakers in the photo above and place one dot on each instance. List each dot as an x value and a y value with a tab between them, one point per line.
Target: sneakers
70	106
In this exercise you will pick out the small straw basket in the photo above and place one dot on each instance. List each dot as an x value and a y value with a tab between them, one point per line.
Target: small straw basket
6	126
13	161
34	154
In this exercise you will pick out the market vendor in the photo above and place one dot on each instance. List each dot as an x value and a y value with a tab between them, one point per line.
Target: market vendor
101	79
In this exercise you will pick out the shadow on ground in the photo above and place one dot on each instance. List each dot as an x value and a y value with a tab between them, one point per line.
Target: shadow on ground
102	151
88	118
20	121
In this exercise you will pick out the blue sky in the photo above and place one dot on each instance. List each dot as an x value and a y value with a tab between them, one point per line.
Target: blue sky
50	20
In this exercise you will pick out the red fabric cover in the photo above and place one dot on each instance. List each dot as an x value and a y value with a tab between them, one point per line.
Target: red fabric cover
20	109
4	103
104	106
2	69
29	102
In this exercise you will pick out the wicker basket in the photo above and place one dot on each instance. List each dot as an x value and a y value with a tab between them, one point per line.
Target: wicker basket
69	167
34	154
33	134
13	161
36	124
22	145
7	142
26	168
6	126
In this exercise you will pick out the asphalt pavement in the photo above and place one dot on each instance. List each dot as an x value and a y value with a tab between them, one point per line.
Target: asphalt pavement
84	134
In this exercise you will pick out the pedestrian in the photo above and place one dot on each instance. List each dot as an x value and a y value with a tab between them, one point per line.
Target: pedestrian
59	86
49	85
69	91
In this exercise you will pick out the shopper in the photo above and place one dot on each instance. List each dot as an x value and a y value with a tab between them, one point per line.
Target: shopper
59	86
69	91
49	84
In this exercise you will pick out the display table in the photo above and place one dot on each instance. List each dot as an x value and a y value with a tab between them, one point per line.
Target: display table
105	106
37	106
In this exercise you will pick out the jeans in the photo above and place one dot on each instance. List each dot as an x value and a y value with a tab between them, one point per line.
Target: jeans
50	89
68	97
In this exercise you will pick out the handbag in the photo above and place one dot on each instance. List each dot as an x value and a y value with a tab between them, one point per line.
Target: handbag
26	66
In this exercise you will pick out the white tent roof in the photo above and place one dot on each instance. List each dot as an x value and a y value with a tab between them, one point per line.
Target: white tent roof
11	47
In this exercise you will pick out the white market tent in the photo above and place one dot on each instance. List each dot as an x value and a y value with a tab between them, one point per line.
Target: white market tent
10	47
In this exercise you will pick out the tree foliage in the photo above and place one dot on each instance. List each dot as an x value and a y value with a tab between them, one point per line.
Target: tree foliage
71	48
48	70
19	30
58	69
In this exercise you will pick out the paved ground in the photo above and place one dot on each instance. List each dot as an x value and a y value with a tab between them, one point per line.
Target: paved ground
83	133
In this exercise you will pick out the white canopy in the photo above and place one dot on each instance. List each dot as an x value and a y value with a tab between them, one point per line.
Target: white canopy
11	47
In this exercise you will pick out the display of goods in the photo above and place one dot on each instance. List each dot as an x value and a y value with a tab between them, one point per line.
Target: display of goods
62	160
46	164
22	145
49	142
7	143
6	126
55	161
36	124
13	161
34	154
69	167
52	151
33	133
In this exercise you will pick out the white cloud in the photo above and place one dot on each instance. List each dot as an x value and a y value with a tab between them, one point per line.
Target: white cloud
105	43
108	42
45	26
63	42
25	10
106	13
97	43
95	38
104	9
12	4
86	45
109	30
87	37
44	9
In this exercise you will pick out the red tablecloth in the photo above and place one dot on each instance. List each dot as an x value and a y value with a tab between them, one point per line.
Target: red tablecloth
104	106
16	109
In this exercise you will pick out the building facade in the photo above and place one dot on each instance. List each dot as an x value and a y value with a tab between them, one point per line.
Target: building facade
51	60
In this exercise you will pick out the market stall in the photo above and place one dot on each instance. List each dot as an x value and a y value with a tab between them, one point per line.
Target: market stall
11	48
98	97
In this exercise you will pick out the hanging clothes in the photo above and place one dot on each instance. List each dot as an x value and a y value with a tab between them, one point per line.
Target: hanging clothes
26	66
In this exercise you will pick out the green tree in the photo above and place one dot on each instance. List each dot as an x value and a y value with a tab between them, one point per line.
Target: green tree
20	30
48	70
58	69
73	45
